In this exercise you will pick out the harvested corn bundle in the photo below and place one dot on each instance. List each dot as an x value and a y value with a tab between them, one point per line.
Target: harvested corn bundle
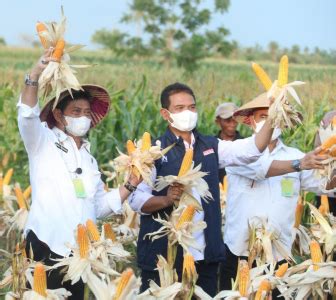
139	160
58	75
281	113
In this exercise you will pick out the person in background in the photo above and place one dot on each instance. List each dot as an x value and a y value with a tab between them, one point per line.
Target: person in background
228	127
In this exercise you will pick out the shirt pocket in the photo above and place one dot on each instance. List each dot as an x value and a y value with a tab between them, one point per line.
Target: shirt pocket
91	180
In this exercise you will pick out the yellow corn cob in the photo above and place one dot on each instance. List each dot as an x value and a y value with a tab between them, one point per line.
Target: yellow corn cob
19	197
265	286
225	184
58	52
146	142
83	241
40	27
244	278
40	280
328	143
262	76
186	216
283	71
281	270
189	268
92	230
324	207
8	176
27	192
298	213
123	281
130	147
109	233
316	253
5	160
186	162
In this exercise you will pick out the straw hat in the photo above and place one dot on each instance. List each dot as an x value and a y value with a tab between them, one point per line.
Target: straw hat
242	114
100	104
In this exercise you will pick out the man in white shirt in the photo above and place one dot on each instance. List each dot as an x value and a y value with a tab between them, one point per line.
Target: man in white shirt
178	109
268	188
66	186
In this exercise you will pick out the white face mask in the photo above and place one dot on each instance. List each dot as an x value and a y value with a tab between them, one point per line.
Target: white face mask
276	131
259	125
184	121
77	126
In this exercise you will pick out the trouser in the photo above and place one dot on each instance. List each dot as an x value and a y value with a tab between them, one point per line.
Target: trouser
207	277
41	252
228	272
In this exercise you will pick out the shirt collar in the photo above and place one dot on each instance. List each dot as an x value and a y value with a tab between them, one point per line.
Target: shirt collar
62	136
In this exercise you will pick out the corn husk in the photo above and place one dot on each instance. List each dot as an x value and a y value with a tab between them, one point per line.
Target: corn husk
139	162
58	76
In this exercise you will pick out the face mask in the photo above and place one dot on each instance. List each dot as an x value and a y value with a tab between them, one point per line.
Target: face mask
184	121
276	133
77	126
259	125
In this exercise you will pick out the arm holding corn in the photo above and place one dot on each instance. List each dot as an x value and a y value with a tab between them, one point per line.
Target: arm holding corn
312	160
29	93
263	137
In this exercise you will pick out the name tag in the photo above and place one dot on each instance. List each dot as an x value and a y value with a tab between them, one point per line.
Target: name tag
59	146
287	187
79	188
208	151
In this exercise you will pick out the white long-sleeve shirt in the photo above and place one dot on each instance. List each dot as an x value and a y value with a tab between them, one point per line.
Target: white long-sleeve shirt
53	159
230	153
251	194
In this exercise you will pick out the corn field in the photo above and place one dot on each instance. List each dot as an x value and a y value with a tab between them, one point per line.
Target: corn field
134	87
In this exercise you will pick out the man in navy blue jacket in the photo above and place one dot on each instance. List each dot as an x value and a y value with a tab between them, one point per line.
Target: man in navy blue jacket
178	104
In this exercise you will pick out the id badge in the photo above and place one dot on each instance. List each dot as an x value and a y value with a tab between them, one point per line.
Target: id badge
287	187
79	188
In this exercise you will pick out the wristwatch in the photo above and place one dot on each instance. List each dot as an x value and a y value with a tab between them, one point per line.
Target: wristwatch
296	165
128	186
30	82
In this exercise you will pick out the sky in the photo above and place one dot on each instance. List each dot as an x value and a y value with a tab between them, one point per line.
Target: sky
307	23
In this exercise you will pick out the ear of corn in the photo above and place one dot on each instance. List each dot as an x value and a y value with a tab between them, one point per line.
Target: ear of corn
324	207
19	197
298	213
8	176
225	184
186	162
186	216
316	254
27	192
92	230
109	233
243	278
328	143
58	52
40	27
262	76
264	288
146	142
83	241
189	269
283	71
281	270
130	147
123	281
40	280
5	160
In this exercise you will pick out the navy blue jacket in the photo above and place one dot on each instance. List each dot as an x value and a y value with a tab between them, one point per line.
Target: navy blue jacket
205	152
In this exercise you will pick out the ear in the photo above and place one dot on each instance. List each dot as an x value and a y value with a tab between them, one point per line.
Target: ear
165	114
217	122
58	115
